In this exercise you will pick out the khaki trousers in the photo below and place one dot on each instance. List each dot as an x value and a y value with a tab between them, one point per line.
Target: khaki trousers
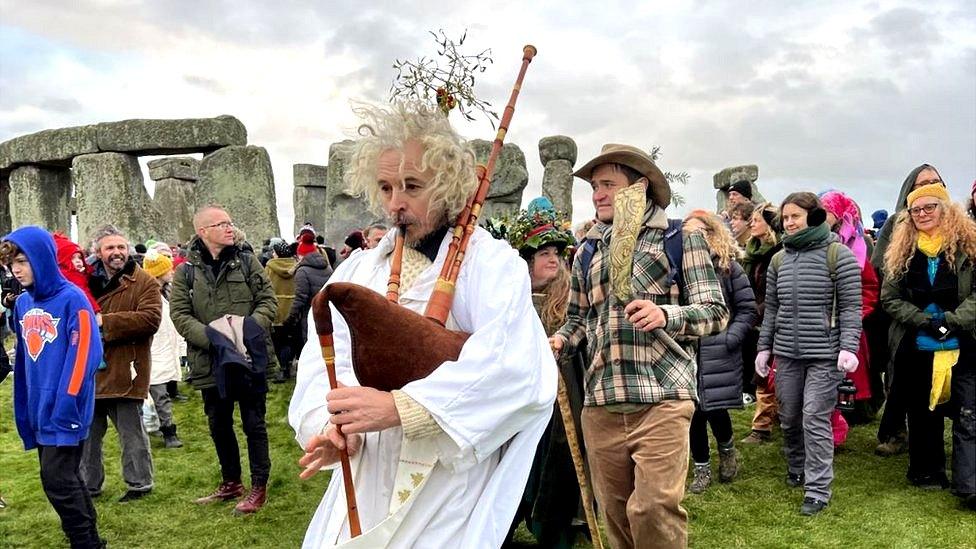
767	410
639	462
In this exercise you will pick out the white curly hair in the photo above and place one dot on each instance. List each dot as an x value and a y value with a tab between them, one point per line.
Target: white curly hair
446	154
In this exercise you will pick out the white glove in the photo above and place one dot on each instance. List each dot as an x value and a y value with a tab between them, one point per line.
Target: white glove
847	361
762	363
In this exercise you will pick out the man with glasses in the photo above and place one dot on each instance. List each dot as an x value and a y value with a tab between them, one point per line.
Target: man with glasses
219	279
892	432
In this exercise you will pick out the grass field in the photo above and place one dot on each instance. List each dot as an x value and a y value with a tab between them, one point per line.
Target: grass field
873	505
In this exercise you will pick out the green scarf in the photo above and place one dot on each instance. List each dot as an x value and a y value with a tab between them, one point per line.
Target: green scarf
810	237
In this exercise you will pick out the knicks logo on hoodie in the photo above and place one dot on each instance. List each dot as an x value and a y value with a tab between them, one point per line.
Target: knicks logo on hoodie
38	328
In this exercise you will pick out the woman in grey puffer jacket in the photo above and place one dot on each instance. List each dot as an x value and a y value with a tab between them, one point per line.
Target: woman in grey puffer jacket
720	356
813	327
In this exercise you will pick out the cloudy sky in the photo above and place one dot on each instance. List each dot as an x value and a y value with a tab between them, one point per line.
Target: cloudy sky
822	94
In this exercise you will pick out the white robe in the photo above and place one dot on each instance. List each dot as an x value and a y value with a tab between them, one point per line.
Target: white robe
492	404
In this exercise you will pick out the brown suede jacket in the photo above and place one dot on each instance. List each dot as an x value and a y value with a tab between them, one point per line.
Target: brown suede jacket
131	311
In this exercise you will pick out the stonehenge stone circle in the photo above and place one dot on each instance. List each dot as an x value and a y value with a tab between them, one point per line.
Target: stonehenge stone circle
110	190
240	179
41	196
558	155
108	185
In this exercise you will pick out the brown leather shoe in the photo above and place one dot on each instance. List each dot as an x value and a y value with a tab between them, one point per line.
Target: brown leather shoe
231	489
253	502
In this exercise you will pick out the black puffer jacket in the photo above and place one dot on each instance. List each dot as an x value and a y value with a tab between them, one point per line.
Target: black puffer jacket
720	355
311	274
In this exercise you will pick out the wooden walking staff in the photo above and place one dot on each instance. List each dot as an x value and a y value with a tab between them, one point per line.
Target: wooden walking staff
323	327
569	424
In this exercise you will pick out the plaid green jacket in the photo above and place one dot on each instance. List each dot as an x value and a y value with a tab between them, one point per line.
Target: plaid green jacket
626	365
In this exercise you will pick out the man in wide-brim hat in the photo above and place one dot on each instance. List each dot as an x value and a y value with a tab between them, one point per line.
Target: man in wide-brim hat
640	391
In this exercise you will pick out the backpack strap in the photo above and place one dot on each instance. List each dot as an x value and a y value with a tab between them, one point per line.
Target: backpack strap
189	272
833	249
674	250
586	257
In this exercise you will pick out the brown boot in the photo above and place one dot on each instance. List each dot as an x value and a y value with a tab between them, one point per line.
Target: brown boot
253	502
230	489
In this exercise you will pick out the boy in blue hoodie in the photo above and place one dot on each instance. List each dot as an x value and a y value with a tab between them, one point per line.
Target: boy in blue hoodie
58	351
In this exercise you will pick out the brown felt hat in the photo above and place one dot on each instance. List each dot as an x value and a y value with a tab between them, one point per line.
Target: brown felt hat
632	157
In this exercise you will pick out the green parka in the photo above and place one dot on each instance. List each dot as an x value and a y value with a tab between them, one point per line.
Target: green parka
230	292
895	299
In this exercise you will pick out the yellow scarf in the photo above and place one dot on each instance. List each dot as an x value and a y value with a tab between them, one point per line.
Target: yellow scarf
628	212
942	361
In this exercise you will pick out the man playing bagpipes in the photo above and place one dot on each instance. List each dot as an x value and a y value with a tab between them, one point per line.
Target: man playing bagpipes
442	461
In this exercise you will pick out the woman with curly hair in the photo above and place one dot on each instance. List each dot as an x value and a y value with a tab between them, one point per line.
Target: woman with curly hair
764	242
812	326
928	291
720	356
552	494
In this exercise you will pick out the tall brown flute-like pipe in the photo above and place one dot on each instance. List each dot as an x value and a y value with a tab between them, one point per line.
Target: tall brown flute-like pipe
439	306
323	327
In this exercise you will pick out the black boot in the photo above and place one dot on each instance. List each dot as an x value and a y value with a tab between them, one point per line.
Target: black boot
169	436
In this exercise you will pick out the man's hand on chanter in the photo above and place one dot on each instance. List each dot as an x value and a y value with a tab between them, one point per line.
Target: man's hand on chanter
323	450
362	409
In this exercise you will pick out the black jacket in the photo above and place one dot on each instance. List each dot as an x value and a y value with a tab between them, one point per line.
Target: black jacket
720	355
311	274
235	374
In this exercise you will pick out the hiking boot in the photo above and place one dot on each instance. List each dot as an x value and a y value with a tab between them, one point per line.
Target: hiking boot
231	489
728	463
170	440
702	480
812	506
253	502
935	481
794	480
131	495
757	437
892	447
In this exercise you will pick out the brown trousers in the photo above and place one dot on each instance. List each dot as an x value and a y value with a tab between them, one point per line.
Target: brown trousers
767	410
639	462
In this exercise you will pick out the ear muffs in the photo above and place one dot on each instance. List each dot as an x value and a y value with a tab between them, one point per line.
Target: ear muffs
773	220
816	216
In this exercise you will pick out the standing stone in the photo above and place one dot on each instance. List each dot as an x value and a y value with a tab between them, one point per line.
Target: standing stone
41	196
240	179
174	199
558	155
109	189
728	176
343	211
6	225
310	195
508	181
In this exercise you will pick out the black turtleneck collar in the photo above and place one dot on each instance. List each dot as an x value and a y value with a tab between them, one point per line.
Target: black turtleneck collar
100	283
430	244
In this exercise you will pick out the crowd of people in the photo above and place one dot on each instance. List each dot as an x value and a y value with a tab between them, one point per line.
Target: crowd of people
650	329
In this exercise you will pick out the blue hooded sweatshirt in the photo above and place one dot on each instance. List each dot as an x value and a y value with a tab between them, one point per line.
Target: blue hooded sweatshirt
58	350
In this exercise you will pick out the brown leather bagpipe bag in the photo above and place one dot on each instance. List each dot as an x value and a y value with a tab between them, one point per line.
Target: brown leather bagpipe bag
391	345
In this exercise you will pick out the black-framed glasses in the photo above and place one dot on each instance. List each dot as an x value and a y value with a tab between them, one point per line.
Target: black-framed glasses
222	225
927	208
